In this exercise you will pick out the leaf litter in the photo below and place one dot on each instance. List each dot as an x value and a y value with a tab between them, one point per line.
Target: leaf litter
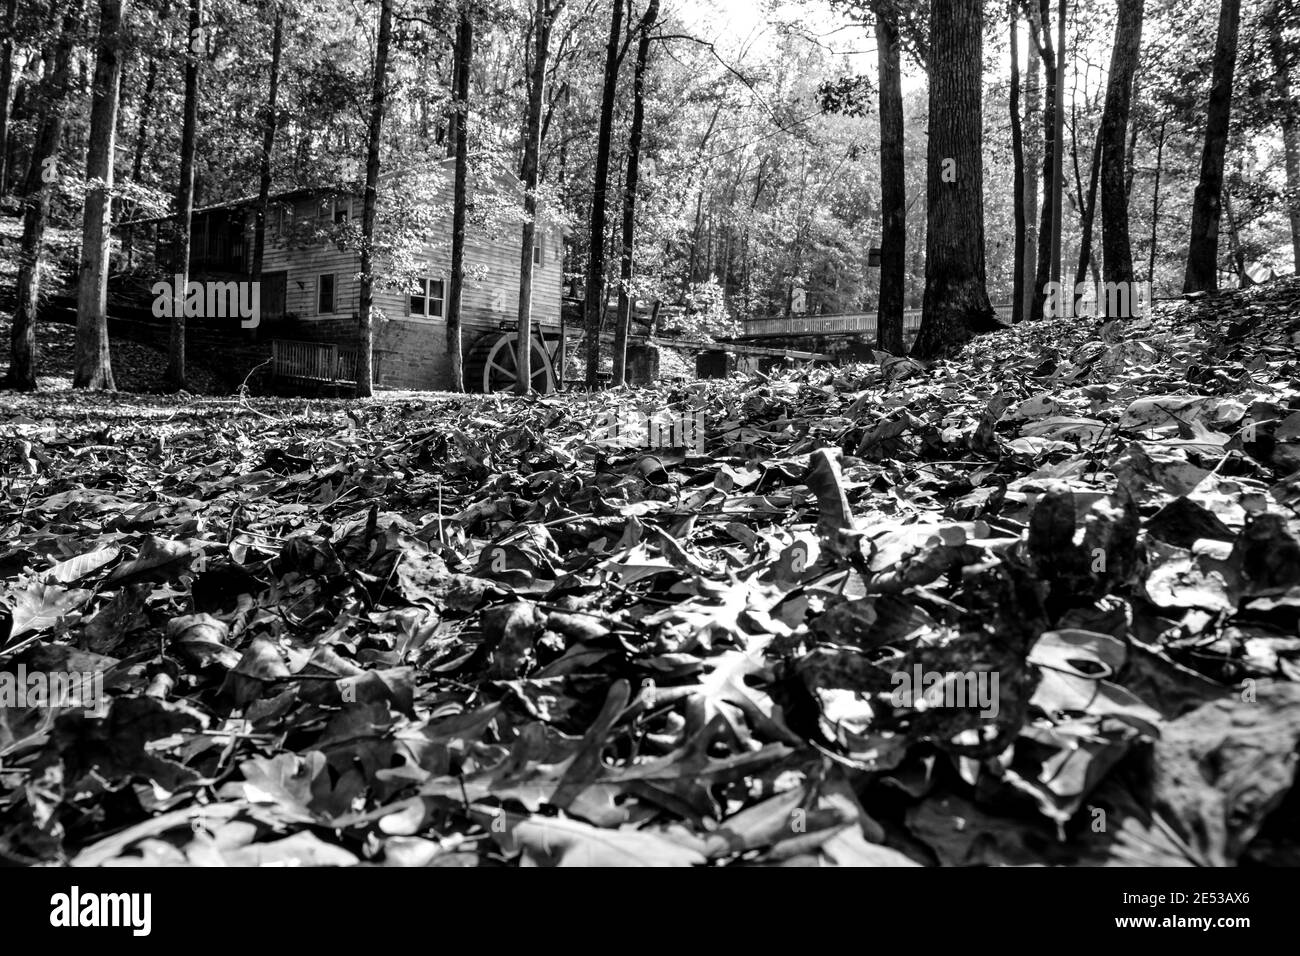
468	630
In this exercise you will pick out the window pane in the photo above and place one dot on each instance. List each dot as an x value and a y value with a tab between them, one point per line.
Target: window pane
417	305
326	304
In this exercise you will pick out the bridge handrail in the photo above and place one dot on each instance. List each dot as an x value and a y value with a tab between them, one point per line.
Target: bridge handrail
840	322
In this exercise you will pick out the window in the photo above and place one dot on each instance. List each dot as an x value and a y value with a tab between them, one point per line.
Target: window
539	258
280	221
325	294
428	298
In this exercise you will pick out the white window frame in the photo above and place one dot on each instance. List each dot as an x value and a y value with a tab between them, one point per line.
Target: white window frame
334	276
441	300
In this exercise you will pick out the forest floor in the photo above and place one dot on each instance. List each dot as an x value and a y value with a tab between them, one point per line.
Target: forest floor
483	631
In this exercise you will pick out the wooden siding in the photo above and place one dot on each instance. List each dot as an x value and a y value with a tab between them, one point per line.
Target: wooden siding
411	350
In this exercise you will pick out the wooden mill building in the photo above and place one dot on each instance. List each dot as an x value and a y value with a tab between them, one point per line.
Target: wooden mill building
310	279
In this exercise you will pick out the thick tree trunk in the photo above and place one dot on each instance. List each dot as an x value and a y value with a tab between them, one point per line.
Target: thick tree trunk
1117	252
185	196
1203	252
1018	166
1288	114
365	298
626	301
460	147
595	300
893	187
268	145
1051	187
6	80
544	15
93	365
956	299
1130	161
41	182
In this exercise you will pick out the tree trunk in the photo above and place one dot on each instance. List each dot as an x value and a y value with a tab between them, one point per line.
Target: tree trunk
893	186
268	144
94	368
626	302
1289	118
1130	161
365	297
460	145
1018	166
185	196
1203	252
137	162
1117	252
1058	148
41	182
956	299
1033	144
544	15
1234	243
6	80
595	300
1155	207
1087	218
1051	187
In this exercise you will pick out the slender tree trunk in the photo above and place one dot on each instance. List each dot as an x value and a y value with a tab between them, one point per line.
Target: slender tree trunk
956	299
1155	207
1058	147
128	210
1203	252
93	364
365	298
893	185
1117	252
544	15
626	302
6	80
595	300
1288	114
1033	145
1051	186
1087	218
460	147
41	183
1234	243
268	146
185	195
1018	165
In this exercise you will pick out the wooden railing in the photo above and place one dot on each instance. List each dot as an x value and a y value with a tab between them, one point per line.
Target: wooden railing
842	324
313	362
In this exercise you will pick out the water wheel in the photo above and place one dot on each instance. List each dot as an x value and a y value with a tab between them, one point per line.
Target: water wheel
490	365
